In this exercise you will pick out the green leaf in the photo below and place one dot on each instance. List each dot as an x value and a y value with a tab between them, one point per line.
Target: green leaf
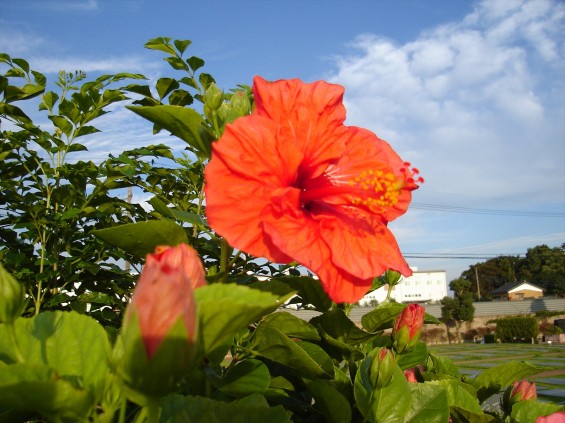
165	86
441	366
36	388
181	45
309	289
182	122
429	404
336	324
188	217
251	409
246	378
417	356
499	377
329	402
291	326
460	415
22	64
160	207
308	360
69	353
458	395
226	309
161	44
528	411
141	238
195	63
49	100
63	124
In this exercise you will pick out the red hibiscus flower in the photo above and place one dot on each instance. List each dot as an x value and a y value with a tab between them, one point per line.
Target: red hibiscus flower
291	182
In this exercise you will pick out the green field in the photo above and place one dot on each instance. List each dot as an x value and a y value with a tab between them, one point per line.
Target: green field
472	359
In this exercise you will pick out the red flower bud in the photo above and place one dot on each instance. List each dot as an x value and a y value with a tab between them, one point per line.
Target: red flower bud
558	417
158	341
164	293
410	374
520	390
407	328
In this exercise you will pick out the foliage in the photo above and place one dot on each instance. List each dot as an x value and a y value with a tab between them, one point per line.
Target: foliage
65	233
455	311
542	266
521	329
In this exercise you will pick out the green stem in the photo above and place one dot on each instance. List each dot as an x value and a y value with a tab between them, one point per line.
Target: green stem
225	253
123	407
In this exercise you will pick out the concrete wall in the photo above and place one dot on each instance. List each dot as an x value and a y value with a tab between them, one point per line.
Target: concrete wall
490	309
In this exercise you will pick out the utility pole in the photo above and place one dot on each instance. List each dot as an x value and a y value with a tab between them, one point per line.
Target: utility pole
478	287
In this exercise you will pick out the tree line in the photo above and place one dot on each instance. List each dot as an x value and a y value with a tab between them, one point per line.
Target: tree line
542	266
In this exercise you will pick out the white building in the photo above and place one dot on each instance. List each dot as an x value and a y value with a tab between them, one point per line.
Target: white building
422	287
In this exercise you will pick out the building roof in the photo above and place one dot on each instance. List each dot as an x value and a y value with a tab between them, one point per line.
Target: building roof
511	286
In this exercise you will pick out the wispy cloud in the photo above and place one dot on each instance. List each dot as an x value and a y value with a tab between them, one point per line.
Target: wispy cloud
67	5
103	64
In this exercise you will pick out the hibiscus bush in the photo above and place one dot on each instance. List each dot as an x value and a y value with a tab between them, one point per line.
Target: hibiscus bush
274	201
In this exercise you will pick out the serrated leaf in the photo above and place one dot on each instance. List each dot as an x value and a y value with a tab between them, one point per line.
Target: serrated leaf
141	238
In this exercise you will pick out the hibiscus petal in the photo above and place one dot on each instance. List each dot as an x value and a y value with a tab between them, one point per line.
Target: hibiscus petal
363	248
310	114
341	286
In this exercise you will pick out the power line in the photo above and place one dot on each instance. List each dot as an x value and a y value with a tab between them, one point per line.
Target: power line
474	210
470	256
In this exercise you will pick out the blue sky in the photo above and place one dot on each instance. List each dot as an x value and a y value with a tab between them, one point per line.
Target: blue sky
470	92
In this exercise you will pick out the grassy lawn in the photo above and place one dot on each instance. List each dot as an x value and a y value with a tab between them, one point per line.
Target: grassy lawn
472	359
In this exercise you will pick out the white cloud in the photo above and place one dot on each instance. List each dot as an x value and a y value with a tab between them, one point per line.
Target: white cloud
477	105
67	5
104	64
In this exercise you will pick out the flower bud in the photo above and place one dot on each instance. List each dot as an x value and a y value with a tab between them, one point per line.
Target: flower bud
406	331
382	367
411	374
159	337
558	417
213	97
520	390
12	297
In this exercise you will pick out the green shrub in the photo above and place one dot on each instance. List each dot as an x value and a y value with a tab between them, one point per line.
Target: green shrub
516	329
553	330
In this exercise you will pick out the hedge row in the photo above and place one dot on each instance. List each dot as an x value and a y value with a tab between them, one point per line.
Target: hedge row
516	329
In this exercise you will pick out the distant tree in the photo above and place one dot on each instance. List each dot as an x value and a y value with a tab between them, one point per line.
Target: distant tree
542	266
455	311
